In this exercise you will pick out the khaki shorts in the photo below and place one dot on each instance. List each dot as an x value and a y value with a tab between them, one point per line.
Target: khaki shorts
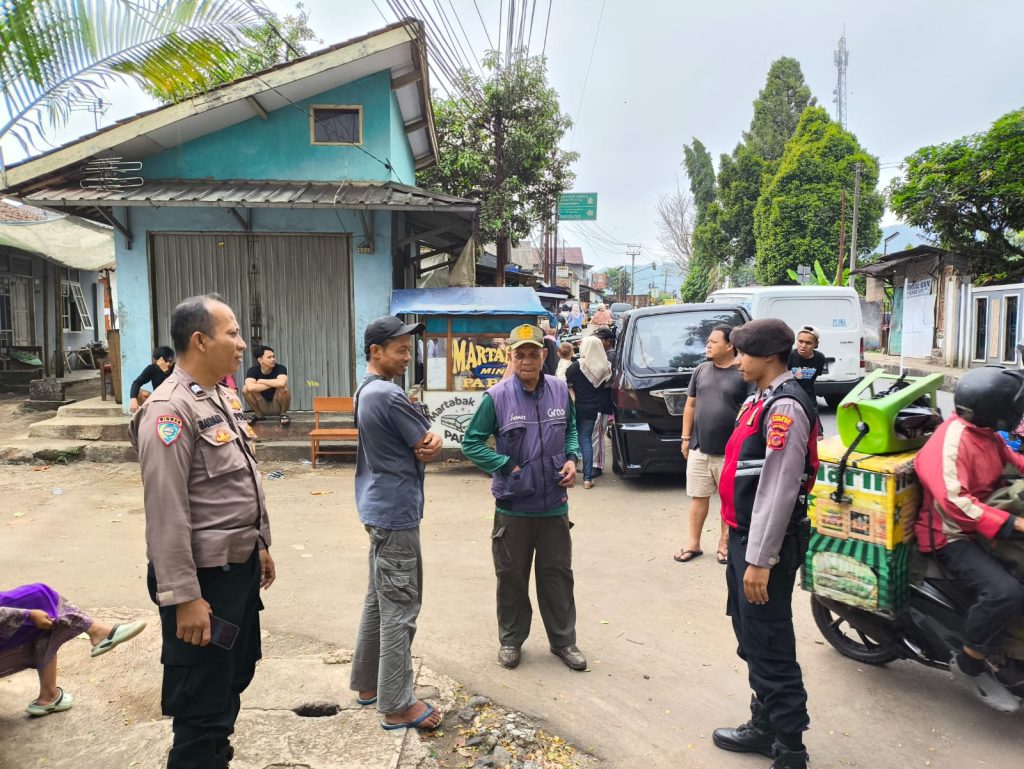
703	473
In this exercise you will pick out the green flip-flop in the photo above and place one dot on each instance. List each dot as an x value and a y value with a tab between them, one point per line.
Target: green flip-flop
118	635
63	702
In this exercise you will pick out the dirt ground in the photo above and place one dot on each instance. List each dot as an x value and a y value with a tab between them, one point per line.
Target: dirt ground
663	669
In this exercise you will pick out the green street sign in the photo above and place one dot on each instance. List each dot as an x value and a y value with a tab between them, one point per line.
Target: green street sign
577	206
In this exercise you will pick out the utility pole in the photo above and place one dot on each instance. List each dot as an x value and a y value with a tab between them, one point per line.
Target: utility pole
632	251
853	235
842	240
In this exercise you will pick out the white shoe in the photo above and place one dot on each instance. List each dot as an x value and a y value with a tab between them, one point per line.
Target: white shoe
986	688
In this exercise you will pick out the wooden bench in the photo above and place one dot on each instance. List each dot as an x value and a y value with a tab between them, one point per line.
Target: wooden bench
347	435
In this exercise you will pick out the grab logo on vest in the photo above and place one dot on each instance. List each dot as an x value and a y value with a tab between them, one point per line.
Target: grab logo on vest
556	413
517	418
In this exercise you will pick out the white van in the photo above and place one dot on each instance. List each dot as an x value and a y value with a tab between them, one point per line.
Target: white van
834	310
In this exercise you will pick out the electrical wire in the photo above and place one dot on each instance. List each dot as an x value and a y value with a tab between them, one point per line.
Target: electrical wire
547	25
483	24
586	77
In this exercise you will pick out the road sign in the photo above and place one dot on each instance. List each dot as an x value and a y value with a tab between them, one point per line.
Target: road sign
577	206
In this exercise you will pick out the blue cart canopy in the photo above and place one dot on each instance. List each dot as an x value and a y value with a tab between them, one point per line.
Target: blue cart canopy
466	301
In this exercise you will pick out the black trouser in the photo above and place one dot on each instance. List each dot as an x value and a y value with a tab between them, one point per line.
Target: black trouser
545	543
998	594
202	686
765	635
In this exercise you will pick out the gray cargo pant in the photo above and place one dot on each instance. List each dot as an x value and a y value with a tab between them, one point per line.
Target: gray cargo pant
383	656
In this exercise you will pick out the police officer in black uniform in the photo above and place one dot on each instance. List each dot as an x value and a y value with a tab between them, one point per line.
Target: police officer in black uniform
770	464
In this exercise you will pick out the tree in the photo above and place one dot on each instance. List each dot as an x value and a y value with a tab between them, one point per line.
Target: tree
675	226
55	53
777	109
797	217
969	195
617	280
701	170
276	41
501	148
707	267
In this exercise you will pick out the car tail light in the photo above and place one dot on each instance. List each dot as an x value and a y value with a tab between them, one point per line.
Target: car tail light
863	365
627	399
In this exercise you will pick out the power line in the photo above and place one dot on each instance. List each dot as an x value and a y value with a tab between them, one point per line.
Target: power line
547	25
586	77
483	24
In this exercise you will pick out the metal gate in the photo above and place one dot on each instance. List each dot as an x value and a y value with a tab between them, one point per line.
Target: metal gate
292	292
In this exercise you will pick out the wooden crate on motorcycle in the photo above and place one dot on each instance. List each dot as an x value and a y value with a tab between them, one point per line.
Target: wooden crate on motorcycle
862	574
880	496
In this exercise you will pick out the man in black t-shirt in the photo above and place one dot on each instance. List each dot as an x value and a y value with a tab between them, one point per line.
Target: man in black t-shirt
805	362
266	386
154	375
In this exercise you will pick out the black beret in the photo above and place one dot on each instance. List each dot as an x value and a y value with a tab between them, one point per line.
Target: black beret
761	338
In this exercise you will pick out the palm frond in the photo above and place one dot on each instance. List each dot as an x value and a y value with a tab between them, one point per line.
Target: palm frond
54	53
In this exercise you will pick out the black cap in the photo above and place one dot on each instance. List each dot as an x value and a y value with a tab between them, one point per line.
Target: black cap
603	332
387	327
761	338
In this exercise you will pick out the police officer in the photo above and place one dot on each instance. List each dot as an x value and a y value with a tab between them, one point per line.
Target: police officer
207	533
770	463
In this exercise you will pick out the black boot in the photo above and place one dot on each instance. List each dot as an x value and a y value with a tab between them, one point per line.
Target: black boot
224	755
755	736
789	759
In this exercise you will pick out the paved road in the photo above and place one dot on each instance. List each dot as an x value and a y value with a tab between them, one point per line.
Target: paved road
663	670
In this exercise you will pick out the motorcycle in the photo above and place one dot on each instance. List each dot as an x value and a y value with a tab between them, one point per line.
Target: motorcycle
929	631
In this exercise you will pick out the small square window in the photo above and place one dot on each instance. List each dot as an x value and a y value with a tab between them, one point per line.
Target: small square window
336	125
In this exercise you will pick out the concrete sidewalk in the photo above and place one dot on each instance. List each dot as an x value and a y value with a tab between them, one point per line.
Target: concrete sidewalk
298	713
914	367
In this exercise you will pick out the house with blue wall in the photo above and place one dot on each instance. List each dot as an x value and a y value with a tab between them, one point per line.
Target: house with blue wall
290	192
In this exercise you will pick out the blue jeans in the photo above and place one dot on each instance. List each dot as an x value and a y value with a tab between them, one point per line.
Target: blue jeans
585	429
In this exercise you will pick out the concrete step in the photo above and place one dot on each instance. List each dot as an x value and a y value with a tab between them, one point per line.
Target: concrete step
95	408
82	428
23	450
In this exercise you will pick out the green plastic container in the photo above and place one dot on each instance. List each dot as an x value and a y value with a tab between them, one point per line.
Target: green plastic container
866	404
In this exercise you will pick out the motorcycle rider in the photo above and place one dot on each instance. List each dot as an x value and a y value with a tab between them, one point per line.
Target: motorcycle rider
959	468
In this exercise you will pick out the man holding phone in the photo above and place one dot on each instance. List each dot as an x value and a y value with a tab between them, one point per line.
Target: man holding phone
207	533
533	463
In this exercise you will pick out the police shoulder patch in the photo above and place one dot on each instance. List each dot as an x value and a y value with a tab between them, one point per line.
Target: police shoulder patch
778	430
168	428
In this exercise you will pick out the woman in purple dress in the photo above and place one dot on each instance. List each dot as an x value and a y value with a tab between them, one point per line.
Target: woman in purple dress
35	621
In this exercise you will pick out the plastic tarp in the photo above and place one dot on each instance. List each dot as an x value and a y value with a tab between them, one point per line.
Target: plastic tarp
68	241
466	301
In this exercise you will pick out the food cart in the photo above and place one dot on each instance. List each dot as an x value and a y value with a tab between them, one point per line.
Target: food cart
464	348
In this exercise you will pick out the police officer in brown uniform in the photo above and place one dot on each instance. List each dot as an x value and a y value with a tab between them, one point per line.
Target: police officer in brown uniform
207	533
770	463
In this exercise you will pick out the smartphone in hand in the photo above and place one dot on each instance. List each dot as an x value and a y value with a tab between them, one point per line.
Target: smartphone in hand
223	633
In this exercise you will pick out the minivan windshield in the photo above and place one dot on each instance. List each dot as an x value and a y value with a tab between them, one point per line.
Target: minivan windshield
674	342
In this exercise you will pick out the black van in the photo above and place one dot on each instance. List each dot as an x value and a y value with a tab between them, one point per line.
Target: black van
656	353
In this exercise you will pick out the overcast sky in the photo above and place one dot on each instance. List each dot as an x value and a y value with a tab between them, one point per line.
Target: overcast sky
664	71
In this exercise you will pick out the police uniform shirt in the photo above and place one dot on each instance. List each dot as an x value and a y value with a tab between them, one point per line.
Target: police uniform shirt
787	432
204	498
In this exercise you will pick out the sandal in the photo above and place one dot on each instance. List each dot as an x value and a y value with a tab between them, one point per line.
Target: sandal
588	484
118	635
723	557
285	419
63	702
687	555
413	724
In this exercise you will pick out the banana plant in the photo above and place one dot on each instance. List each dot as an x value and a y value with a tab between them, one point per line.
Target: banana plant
819	277
55	54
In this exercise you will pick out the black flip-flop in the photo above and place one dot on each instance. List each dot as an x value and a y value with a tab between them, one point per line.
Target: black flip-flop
723	558
687	555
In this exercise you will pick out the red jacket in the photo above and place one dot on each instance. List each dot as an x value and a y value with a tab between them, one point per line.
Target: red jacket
959	467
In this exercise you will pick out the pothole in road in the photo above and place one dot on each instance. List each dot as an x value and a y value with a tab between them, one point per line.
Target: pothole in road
317	710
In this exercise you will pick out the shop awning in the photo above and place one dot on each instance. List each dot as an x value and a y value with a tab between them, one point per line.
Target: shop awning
466	301
66	240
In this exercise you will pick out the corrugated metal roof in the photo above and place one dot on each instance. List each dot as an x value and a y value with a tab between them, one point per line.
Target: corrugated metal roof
256	194
66	240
